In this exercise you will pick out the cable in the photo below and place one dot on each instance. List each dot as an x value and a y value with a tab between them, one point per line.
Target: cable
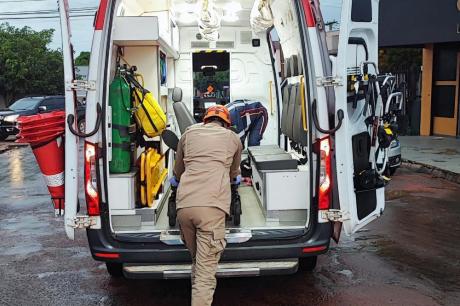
43	17
16	1
76	10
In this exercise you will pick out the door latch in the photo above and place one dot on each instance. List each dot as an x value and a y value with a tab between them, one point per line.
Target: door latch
335	215
82	222
329	81
81	85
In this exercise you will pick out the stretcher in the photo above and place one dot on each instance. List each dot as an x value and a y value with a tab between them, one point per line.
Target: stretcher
152	175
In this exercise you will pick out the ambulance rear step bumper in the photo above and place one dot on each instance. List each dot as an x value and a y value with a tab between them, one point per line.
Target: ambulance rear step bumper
226	269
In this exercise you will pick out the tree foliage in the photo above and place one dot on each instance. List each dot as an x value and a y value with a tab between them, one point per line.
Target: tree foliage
399	59
27	66
83	59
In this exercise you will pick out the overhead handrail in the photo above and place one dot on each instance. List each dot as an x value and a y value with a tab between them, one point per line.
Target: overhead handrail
302	101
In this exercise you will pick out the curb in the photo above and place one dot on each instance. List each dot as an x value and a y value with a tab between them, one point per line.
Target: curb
433	171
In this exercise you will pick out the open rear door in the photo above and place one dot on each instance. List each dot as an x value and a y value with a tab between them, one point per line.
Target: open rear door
360	187
71	141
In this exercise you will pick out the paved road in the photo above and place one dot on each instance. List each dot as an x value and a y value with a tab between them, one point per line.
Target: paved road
409	257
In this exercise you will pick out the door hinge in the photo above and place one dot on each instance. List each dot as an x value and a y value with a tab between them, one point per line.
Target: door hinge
335	215
81	85
329	81
81	222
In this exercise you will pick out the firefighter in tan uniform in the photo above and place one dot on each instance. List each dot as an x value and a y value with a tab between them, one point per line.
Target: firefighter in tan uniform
207	160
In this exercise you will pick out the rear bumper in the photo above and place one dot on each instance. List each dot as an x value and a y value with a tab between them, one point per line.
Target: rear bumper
104	248
226	269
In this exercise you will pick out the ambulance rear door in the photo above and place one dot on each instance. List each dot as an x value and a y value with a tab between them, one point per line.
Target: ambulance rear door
361	201
71	141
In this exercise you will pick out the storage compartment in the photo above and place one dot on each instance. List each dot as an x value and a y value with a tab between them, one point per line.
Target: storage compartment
136	31
278	193
122	193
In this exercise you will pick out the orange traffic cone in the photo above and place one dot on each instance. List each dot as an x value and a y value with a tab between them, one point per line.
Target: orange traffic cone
50	159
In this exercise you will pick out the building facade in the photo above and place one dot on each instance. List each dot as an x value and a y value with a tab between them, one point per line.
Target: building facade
435	27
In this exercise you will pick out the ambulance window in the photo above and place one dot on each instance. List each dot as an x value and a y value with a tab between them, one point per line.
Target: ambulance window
361	11
211	80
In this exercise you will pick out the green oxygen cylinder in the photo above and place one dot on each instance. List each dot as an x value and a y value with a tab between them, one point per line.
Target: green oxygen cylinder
120	102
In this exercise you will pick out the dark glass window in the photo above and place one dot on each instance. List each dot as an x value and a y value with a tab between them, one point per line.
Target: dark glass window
443	101
361	11
445	64
53	103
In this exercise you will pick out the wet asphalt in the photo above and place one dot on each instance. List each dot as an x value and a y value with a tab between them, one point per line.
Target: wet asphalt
408	257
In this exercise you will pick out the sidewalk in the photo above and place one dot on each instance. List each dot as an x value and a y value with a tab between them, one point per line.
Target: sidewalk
440	154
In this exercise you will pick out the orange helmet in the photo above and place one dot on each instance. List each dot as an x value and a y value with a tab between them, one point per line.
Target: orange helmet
218	111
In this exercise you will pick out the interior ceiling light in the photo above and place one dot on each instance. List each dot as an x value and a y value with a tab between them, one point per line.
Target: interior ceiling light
230	17
187	8
233	7
187	17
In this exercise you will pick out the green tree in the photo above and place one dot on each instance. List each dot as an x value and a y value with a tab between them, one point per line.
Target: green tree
83	59
27	65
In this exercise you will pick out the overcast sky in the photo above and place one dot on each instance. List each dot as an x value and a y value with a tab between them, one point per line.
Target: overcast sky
82	26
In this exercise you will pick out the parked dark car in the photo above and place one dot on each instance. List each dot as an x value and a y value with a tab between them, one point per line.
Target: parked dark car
32	106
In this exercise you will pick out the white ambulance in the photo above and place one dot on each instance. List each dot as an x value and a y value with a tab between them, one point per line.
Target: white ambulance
316	172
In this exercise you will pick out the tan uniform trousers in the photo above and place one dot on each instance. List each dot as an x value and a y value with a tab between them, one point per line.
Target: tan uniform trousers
203	231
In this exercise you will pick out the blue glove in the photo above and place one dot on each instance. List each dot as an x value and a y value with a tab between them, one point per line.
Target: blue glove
174	182
236	180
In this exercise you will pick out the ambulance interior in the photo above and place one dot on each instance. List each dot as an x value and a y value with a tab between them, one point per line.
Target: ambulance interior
236	54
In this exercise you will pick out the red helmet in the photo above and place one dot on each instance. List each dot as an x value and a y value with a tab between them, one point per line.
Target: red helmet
218	111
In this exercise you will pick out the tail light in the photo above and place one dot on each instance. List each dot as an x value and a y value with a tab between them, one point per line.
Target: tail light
92	195
325	174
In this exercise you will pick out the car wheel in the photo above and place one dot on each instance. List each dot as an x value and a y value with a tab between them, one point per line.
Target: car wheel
307	264
82	125
115	269
3	135
393	170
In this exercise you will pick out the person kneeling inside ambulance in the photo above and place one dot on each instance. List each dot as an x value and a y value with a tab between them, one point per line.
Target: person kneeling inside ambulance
249	119
208	158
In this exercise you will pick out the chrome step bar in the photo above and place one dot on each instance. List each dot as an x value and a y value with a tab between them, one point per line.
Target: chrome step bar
173	237
233	269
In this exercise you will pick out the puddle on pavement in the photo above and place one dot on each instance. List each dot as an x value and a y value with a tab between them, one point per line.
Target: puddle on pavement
21	250
395	194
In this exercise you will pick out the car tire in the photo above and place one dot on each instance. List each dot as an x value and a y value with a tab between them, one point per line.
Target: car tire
81	124
3	135
393	170
307	264
115	269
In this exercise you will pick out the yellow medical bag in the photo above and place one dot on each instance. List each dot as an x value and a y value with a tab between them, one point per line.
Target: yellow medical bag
148	113
152	175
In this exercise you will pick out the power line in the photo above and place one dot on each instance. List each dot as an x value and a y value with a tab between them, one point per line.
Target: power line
82	9
42	17
16	1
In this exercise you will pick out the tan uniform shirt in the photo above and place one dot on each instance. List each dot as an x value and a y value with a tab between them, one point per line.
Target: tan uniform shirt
208	157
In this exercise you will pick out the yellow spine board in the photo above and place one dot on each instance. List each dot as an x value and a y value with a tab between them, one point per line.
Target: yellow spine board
142	179
152	175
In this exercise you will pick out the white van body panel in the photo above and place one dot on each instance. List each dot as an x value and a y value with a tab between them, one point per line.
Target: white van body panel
353	123
71	141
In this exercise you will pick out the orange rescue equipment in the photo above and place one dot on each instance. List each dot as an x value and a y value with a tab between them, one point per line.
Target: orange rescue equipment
152	175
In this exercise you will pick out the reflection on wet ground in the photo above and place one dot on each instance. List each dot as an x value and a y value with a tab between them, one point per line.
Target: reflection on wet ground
408	257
